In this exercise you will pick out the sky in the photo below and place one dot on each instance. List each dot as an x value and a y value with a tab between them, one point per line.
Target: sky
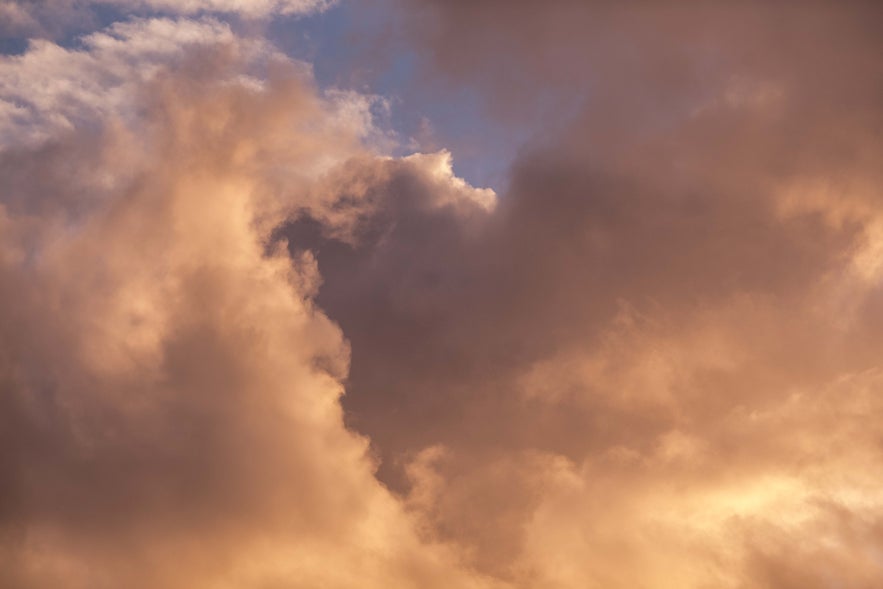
415	294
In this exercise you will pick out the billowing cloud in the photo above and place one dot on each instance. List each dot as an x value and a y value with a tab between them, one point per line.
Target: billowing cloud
656	362
241	345
170	392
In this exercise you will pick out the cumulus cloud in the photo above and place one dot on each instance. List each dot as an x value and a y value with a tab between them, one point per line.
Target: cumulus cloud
50	89
243	346
170	392
653	363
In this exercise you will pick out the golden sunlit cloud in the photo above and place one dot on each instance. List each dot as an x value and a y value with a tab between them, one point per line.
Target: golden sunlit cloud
245	342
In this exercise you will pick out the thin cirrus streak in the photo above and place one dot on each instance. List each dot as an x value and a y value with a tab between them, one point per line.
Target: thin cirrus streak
243	344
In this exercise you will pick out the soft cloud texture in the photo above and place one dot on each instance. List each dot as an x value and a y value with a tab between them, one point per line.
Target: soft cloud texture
242	346
54	17
656	362
248	8
169	389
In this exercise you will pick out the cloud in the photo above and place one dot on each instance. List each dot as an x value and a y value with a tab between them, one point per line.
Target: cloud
587	387
652	364
50	89
250	8
169	389
242	346
44	18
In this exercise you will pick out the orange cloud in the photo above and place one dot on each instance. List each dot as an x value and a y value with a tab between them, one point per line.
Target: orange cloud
171	411
243	346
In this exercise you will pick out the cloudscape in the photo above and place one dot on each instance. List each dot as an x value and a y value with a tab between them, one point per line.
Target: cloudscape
394	294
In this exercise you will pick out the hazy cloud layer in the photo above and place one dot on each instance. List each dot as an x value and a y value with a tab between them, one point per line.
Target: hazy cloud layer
242	346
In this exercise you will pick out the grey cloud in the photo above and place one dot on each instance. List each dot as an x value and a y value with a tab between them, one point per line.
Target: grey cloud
680	271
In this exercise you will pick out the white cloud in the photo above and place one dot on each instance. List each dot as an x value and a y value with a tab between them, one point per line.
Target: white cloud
248	8
50	88
57	18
